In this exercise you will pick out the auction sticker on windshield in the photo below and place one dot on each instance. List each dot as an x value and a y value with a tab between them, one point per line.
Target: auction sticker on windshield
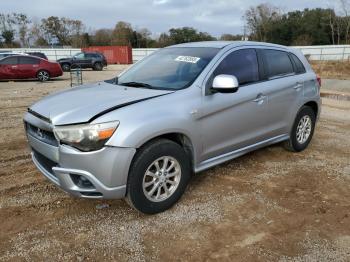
187	59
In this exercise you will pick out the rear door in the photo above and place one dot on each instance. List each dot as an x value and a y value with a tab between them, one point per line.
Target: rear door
28	66
89	58
284	89
9	68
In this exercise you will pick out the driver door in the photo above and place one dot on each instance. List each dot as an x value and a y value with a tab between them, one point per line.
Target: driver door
9	68
81	60
234	120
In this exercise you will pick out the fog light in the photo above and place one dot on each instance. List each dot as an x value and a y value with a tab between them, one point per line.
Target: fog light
81	181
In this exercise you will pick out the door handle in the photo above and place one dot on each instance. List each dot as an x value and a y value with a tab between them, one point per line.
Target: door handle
14	66
259	98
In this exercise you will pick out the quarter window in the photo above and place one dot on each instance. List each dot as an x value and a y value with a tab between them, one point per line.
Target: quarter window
299	67
243	64
277	63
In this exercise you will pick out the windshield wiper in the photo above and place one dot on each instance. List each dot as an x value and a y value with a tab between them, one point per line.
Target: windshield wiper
136	84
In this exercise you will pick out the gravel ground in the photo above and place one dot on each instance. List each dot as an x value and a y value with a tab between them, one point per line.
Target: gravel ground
269	205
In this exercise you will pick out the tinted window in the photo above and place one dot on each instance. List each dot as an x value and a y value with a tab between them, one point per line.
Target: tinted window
90	55
23	60
9	61
277	63
243	64
299	67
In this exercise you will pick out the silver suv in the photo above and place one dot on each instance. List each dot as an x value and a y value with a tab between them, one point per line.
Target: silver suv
179	111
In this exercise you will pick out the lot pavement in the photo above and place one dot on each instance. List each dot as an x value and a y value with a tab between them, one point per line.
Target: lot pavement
269	205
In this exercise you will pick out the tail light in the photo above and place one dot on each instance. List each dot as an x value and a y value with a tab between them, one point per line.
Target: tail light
319	81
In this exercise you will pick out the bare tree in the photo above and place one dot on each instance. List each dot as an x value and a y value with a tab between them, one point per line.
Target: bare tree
345	8
22	22
259	18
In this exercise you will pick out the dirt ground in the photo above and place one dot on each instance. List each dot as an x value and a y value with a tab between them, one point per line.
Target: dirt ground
269	205
332	69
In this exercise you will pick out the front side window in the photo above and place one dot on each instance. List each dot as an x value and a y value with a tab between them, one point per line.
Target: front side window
9	61
169	68
79	56
277	63
243	64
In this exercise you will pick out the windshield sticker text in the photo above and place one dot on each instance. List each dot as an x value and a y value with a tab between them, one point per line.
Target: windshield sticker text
187	59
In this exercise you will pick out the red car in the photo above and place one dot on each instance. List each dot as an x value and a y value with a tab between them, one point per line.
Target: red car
26	66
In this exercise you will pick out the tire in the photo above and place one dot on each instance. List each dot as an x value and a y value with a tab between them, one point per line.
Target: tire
143	176
65	67
98	66
43	75
297	142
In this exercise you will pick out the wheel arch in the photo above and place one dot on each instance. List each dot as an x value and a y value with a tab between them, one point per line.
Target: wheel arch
178	137
314	106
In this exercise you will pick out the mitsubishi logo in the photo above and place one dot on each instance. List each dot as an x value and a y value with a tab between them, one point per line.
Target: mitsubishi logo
39	132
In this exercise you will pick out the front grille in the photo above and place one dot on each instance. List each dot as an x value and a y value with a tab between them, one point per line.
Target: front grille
46	163
43	135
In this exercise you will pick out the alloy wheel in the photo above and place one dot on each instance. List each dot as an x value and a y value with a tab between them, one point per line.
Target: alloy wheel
304	129
161	179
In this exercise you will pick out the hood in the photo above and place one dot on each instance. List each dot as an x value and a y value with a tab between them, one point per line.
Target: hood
85	103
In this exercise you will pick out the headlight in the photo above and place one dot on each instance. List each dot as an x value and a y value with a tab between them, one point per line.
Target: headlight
87	137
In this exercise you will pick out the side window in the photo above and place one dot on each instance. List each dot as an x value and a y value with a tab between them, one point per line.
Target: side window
28	60
9	61
299	67
89	55
243	64
80	56
277	63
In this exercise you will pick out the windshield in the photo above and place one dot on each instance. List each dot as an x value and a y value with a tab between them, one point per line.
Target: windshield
169	68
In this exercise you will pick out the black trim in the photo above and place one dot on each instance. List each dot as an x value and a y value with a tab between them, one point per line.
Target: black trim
39	116
123	105
262	71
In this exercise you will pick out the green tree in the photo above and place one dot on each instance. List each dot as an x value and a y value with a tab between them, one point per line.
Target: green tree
122	34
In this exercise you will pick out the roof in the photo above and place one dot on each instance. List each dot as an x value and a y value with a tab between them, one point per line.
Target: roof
222	44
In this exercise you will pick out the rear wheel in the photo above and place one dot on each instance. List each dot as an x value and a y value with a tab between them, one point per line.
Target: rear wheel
158	176
302	131
98	66
65	67
43	75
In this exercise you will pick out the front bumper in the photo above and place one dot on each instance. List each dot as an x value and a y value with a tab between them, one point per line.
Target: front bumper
106	170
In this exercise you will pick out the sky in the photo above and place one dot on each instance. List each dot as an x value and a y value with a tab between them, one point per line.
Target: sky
213	16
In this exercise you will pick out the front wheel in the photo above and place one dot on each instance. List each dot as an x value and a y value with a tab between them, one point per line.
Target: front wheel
65	67
43	75
98	66
302	131
158	176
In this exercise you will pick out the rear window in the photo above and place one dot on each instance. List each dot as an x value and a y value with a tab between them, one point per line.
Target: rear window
277	63
23	60
299	67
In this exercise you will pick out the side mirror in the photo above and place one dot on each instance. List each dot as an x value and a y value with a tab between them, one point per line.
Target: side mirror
225	84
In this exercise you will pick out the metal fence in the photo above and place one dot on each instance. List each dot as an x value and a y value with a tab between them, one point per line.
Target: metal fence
324	53
52	53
